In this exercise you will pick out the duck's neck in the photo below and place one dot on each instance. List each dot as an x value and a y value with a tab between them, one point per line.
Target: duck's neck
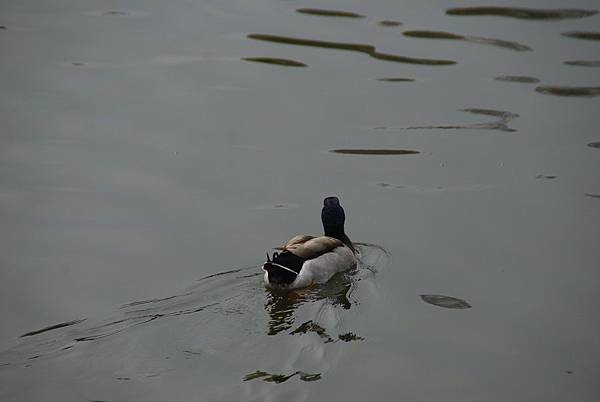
338	233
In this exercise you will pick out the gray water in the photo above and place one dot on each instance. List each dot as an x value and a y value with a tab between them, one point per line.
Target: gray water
152	152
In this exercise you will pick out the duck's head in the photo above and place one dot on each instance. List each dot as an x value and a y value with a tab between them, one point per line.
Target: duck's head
333	217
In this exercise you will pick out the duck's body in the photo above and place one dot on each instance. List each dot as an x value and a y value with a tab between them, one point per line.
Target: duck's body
305	260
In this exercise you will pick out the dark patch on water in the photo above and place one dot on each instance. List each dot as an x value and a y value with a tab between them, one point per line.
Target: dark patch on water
522	79
522	12
276	61
328	13
583	63
432	35
350	337
53	327
594	144
123	378
389	23
280	378
503	119
280	205
116	12
445	301
587	92
545	177
587	35
313	327
592	195
396	79
375	151
3	27
354	47
474	39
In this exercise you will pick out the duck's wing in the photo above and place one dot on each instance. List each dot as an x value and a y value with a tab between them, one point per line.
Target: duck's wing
296	240
311	247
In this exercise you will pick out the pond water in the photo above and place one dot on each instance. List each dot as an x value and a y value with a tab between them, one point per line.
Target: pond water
152	152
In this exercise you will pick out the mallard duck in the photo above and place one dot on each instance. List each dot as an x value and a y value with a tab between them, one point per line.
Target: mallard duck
306	260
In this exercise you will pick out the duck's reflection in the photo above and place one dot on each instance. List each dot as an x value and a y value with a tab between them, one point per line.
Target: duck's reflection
282	304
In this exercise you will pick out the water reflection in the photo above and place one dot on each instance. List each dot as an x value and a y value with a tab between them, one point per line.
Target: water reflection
588	92
347	151
587	35
395	79
389	23
328	13
281	378
503	118
522	79
473	39
275	61
445	301
522	12
281	304
117	13
354	47
583	63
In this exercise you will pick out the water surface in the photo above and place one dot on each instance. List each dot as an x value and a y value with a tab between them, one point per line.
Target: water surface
152	152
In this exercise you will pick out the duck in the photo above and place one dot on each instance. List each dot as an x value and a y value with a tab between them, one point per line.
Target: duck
307	260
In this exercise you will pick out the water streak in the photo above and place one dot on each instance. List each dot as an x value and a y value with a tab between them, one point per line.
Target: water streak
347	151
583	63
446	301
276	61
501	124
522	12
586	92
354	47
587	35
389	23
328	13
473	39
517	78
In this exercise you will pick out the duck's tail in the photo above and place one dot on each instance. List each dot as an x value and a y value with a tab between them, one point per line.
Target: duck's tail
283	268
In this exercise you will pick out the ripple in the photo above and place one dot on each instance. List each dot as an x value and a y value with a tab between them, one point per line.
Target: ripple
280	378
396	79
276	61
389	23
522	12
432	35
433	189
277	206
117	13
445	301
52	327
587	35
328	13
522	79
375	151
588	92
583	63
473	39
354	47
503	119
